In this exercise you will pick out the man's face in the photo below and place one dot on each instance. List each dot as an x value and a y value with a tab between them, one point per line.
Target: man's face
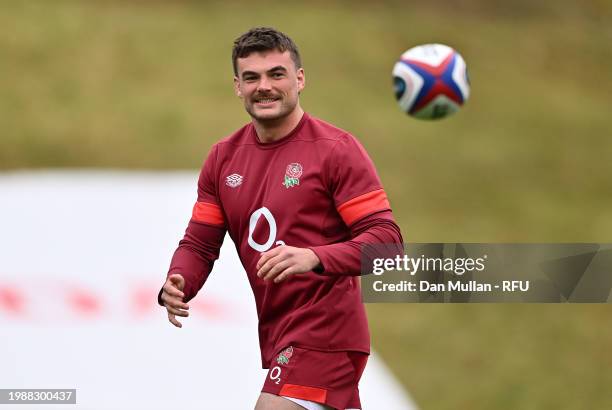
268	83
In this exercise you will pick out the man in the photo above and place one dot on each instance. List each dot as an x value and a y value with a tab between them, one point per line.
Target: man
298	197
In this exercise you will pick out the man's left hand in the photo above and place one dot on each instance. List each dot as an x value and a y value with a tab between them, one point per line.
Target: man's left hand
282	261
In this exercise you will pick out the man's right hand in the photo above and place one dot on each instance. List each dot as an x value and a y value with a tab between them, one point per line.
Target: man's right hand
172	296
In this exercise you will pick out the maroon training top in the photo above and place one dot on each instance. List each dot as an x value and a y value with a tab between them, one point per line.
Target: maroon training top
314	188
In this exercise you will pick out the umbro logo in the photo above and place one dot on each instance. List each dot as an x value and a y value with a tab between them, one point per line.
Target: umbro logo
233	180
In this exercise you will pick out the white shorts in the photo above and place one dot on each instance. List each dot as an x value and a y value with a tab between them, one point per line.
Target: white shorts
310	405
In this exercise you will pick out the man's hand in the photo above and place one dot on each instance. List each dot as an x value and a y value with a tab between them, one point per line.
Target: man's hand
172	296
284	260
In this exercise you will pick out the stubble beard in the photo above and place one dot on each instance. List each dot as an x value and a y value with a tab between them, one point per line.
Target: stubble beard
284	111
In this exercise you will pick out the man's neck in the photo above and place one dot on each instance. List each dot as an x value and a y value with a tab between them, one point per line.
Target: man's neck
270	131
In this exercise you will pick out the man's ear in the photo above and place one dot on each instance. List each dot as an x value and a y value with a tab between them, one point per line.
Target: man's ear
301	79
237	87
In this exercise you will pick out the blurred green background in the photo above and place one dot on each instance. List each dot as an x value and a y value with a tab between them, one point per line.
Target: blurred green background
147	85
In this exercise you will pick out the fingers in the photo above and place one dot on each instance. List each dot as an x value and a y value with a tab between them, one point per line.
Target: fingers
172	291
173	320
266	256
270	264
174	301
174	311
173	297
177	312
284	274
285	260
175	308
276	269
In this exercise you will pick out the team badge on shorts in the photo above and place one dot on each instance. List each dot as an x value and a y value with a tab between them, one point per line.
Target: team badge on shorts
292	175
285	355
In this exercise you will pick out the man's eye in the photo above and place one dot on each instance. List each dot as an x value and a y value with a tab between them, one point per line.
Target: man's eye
277	75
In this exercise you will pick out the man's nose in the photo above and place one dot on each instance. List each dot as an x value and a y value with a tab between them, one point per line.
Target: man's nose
264	84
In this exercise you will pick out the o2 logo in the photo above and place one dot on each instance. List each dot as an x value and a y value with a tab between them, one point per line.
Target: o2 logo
275	374
263	212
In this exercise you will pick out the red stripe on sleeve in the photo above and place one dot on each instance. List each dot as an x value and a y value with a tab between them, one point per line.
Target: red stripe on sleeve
304	392
363	205
207	213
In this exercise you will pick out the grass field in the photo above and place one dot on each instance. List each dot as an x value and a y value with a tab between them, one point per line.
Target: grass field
147	85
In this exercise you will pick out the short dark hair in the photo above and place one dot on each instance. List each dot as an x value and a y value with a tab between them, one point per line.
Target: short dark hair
264	39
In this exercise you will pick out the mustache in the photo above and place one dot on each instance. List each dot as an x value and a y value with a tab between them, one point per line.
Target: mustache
263	96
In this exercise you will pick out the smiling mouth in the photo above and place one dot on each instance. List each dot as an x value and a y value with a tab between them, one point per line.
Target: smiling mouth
267	100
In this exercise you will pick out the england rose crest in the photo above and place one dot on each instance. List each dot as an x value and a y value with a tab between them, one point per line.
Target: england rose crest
292	175
285	355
